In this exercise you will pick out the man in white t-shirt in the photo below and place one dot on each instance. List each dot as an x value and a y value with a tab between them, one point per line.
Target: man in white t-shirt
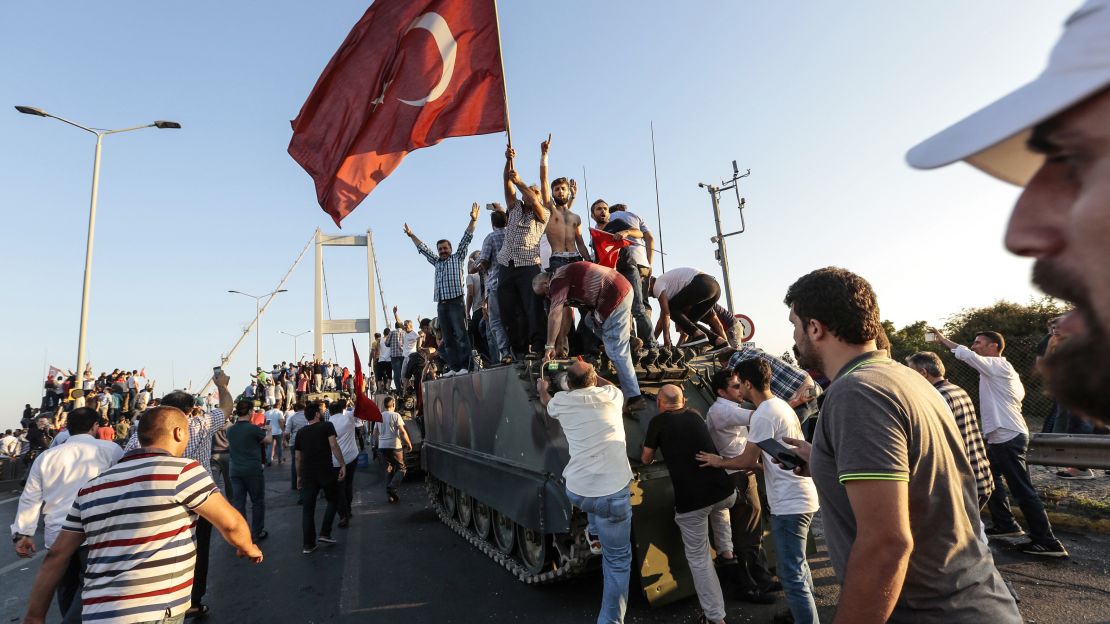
275	420
598	475
687	296
792	498
728	427
345	425
391	436
1007	437
410	338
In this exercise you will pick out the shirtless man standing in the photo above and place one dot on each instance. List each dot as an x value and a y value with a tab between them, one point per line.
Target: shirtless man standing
564	232
564	228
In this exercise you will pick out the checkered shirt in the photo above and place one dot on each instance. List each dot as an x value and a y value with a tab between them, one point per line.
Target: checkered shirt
522	237
491	247
201	429
396	347
449	271
968	423
785	379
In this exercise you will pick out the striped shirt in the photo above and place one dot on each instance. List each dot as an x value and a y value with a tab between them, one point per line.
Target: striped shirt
395	344
449	270
968	423
588	285
491	247
522	237
137	518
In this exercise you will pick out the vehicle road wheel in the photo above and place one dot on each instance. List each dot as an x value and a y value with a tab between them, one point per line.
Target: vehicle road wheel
449	505
482	520
465	506
533	549
503	532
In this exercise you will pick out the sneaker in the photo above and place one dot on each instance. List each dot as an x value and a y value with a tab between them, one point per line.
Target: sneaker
1055	549
1075	474
308	550
996	532
326	539
594	542
393	498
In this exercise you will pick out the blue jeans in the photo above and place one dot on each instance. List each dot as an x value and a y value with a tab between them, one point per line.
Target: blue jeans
615	333
1008	462
398	363
456	344
498	339
639	314
255	485
612	517
790	533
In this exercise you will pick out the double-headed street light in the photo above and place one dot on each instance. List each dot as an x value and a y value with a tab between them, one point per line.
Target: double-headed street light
295	336
100	134
257	320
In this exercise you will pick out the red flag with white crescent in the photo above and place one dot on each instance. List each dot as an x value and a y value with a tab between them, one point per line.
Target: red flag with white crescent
607	246
410	74
365	408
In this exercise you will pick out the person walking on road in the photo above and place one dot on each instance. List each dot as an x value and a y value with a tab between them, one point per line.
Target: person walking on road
314	449
142	553
345	425
53	483
275	422
391	435
598	475
1000	396
246	444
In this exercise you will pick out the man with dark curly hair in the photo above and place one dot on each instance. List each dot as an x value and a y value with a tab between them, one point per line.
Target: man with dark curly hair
899	505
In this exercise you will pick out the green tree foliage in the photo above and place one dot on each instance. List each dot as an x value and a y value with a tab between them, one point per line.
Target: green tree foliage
1023	326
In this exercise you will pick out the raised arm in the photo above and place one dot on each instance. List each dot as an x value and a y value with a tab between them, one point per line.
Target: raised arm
420	246
545	187
510	191
530	199
227	404
468	235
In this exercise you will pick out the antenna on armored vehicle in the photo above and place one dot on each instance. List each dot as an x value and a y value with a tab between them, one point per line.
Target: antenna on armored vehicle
732	184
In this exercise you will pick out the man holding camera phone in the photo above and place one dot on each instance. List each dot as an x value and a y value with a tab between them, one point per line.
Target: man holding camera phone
899	504
791	497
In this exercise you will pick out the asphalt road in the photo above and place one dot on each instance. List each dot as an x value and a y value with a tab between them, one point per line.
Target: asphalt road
397	562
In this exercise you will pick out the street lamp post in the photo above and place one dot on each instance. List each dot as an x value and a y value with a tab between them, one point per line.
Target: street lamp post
100	134
257	321
295	336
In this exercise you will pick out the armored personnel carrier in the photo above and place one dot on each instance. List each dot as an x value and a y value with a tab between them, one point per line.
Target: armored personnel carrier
494	462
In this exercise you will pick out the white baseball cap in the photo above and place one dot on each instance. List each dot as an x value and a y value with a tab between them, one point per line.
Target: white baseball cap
993	138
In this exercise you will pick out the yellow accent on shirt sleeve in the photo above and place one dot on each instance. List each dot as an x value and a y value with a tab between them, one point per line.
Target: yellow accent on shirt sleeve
873	476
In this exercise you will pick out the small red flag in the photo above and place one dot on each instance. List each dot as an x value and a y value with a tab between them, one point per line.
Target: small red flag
608	247
410	74
365	408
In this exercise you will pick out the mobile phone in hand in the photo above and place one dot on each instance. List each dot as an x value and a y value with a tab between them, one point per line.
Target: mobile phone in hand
785	456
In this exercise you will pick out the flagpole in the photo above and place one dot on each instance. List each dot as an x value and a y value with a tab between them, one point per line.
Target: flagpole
658	212
585	185
504	82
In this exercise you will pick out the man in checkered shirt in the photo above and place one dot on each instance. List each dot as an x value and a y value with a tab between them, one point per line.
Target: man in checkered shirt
789	383
201	427
929	365
448	294
521	309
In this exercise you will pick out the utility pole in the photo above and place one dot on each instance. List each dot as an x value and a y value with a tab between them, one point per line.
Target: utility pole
732	184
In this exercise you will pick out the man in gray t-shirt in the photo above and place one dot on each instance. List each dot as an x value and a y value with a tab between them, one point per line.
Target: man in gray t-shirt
899	504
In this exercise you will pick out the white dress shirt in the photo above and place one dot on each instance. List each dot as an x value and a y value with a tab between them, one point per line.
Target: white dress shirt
728	427
1000	395
55	478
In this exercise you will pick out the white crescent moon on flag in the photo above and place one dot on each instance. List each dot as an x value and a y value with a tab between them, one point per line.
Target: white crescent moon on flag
437	26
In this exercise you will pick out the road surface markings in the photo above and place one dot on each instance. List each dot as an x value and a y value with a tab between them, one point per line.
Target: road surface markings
22	562
9	499
350	589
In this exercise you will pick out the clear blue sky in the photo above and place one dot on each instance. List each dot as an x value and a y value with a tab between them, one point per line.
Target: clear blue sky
819	100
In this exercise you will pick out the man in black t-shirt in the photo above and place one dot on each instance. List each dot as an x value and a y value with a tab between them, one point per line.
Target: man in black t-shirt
315	447
701	496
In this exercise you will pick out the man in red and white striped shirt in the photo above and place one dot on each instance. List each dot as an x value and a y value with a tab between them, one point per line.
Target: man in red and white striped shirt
137	519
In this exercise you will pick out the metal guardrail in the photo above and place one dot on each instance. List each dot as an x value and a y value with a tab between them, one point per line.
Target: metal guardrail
1076	451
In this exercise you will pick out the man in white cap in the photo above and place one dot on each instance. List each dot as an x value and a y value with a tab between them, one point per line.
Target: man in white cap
1052	136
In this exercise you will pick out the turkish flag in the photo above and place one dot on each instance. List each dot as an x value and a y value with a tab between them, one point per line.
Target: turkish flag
607	246
410	74
365	408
